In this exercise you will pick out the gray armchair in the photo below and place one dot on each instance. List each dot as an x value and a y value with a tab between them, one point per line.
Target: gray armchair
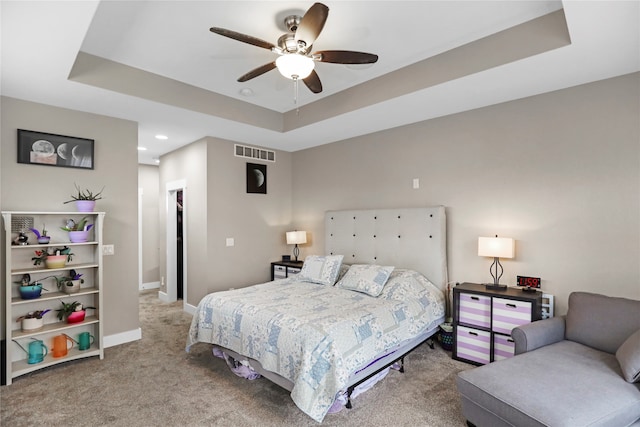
574	370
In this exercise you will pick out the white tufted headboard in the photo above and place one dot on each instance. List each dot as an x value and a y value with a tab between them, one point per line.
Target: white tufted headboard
412	238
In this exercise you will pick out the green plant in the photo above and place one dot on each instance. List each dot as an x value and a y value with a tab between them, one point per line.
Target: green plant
43	255
77	226
33	315
62	281
26	281
38	234
69	307
85	195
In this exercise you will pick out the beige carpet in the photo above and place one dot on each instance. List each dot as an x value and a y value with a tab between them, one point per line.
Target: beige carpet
153	382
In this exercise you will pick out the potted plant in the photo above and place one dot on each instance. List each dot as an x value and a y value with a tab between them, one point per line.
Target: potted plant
33	320
85	200
42	237
57	259
29	289
78	231
69	284
74	312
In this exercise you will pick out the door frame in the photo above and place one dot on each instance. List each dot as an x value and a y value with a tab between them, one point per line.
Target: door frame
171	230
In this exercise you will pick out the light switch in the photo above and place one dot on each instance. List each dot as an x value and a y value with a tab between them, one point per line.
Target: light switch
416	183
230	241
107	250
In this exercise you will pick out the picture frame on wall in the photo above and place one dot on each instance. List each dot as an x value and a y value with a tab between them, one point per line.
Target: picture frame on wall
256	178
47	149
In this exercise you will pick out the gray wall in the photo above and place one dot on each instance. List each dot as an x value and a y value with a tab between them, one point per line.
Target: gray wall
32	187
149	185
218	208
558	172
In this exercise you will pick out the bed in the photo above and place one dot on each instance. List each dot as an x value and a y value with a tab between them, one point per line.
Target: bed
331	328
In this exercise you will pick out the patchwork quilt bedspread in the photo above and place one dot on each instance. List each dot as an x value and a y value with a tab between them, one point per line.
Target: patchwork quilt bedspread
317	335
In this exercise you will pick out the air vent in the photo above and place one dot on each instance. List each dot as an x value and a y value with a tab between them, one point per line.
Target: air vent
254	153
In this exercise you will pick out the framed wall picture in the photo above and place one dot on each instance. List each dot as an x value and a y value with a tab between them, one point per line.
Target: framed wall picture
256	178
39	148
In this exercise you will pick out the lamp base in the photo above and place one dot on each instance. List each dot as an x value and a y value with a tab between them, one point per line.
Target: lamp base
493	287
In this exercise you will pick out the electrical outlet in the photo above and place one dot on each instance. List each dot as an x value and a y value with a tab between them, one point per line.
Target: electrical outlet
230	241
416	183
107	250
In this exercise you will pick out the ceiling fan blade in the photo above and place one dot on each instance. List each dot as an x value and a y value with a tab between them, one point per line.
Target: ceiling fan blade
257	72
346	57
313	82
311	24
242	37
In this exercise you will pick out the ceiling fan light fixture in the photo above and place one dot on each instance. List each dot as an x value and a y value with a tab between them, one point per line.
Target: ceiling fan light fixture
295	66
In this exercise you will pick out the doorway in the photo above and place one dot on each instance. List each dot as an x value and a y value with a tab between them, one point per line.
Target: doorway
179	251
176	243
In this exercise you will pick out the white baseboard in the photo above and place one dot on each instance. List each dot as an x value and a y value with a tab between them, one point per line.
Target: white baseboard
190	309
122	338
163	296
150	285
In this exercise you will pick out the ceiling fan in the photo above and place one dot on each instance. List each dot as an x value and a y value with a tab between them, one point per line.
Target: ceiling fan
296	61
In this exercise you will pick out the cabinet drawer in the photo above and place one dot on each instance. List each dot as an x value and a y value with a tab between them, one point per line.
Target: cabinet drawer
473	344
279	272
507	314
293	271
503	347
475	310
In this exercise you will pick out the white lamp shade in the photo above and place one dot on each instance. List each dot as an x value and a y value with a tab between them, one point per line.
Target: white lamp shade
296	237
496	247
294	64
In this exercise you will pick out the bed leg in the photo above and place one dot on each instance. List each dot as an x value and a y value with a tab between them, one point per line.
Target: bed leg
431	344
349	391
401	364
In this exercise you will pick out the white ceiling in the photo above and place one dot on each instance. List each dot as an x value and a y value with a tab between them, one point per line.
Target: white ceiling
41	40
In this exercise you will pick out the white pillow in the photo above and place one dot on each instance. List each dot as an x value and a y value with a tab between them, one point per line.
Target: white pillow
367	278
321	269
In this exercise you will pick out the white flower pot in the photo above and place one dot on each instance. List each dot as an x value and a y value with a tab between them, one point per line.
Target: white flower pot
75	288
32	324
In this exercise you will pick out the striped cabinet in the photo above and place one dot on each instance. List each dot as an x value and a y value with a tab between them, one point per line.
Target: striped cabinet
284	269
483	320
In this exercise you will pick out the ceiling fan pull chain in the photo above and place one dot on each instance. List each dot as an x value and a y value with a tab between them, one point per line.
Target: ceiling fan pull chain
295	93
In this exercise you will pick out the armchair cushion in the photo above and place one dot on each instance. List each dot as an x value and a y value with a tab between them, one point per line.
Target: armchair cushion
601	322
628	356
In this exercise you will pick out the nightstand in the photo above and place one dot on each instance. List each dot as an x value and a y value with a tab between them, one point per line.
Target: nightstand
284	269
483	320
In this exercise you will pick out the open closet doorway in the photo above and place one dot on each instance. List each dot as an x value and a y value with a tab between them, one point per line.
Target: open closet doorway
176	283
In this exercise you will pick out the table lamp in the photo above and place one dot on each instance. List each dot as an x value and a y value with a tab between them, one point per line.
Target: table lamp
296	238
496	247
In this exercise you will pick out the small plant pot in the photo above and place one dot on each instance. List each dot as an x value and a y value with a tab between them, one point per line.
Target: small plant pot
30	292
43	240
74	288
85	205
78	236
32	324
76	317
55	261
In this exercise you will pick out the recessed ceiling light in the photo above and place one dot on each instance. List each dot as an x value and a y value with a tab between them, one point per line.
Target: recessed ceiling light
142	148
157	160
245	91
162	137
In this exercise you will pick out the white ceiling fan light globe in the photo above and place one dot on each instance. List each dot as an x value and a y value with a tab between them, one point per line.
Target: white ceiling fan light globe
294	64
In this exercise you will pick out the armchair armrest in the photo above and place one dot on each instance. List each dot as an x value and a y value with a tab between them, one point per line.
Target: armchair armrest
538	334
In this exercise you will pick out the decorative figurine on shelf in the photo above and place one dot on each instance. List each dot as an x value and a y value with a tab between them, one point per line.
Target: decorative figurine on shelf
43	239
